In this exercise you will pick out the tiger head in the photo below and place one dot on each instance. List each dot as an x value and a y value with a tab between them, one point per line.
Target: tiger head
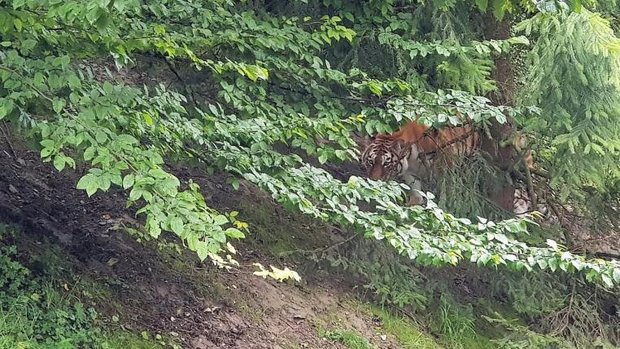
385	158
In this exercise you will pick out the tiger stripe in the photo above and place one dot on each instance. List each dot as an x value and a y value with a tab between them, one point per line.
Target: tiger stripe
415	151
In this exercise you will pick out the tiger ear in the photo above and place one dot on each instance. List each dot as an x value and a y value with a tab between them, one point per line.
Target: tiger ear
365	141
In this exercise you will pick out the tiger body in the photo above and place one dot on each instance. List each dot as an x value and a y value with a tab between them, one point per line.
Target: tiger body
417	152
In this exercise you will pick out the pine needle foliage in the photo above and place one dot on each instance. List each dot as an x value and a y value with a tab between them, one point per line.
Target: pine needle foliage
465	187
574	77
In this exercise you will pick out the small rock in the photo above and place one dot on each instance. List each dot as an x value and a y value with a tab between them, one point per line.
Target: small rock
12	189
211	310
112	261
202	342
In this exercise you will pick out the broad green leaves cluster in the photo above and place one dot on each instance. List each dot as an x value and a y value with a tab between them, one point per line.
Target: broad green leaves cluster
260	92
97	121
428	235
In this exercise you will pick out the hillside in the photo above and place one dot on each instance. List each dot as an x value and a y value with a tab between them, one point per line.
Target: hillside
82	245
297	174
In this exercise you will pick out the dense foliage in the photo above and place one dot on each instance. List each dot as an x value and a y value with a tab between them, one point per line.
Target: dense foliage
266	75
577	88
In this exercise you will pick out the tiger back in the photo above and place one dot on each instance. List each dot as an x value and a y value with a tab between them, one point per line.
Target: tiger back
417	152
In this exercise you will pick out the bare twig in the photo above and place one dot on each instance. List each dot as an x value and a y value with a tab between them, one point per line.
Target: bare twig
530	184
8	140
188	90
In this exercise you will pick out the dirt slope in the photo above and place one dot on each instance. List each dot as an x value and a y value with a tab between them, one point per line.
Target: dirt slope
174	294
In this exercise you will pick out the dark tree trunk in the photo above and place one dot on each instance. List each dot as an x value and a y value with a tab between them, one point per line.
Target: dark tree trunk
503	156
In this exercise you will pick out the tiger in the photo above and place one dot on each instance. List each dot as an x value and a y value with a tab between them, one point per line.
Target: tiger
412	152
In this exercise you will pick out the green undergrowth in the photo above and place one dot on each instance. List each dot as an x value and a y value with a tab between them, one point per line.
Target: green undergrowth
280	233
43	305
408	334
456	323
349	339
440	313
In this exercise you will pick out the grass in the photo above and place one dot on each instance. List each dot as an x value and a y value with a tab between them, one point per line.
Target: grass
456	323
39	310
128	340
51	320
406	333
349	339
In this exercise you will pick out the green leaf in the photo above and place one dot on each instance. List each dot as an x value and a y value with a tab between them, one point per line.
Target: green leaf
89	153
58	105
482	5
148	119
57	62
19	25
202	249
104	182
498	9
59	162
254	72
107	87
323	158
45	152
235	183
234	233
577	264
101	137
542	264
74	82
553	264
374	88
442	51
220	220
88	183
607	280
6	106
128	181
28	44
135	194
501	238
176	224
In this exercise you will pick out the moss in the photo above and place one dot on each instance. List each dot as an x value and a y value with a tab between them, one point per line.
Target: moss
128	340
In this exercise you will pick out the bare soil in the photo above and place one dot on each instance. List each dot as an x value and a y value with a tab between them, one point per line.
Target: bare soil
171	294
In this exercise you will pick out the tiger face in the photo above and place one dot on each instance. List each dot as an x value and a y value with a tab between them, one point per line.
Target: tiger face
385	159
416	153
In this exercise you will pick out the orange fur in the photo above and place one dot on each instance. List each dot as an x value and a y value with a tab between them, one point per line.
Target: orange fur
412	152
451	138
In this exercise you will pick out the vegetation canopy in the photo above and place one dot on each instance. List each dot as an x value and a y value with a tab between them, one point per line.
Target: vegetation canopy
269	91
